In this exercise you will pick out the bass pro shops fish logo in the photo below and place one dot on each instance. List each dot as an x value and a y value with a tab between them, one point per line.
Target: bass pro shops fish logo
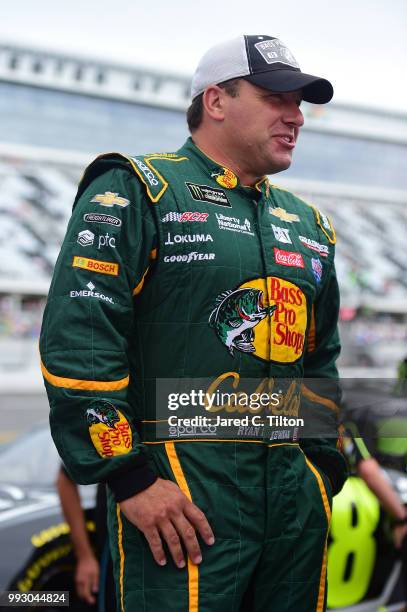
265	317
236	314
109	429
225	177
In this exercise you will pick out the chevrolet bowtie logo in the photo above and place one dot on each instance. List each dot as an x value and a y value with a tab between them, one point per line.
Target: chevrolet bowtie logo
110	199
282	214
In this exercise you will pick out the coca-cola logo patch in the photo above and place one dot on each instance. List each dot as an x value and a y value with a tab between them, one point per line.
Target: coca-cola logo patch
288	258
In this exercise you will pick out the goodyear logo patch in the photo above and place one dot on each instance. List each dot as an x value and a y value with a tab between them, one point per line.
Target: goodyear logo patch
95	265
109	429
110	199
263	317
212	195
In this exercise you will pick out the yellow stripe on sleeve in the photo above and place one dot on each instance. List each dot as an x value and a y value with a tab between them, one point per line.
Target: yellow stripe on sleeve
84	385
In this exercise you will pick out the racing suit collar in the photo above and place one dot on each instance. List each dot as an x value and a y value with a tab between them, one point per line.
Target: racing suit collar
224	176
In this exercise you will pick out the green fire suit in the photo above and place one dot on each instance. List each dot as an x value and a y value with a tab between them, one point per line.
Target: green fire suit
171	269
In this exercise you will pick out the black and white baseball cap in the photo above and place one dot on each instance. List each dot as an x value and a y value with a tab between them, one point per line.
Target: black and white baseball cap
262	60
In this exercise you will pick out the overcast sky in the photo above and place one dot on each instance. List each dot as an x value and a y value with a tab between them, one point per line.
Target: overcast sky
360	45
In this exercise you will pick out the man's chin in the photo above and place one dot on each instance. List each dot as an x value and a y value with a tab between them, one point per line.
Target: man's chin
280	166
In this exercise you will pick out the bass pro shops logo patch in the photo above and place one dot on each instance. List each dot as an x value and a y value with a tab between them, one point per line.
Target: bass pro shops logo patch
264	317
109	429
236	314
225	178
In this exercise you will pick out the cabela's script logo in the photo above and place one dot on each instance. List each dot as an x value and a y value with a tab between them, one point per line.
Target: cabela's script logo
287	403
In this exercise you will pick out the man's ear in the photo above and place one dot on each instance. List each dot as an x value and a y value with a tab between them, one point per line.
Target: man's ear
213	102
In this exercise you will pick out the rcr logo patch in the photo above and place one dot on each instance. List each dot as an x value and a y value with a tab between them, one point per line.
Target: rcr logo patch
184	217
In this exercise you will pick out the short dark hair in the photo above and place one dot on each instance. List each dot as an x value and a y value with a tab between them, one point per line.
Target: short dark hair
195	111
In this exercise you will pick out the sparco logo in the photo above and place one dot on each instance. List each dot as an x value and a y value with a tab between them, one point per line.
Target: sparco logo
204	193
177	238
288	258
148	173
99	218
185	216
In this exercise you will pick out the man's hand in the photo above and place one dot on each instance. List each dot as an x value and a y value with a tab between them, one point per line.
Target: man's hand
399	533
162	510
87	578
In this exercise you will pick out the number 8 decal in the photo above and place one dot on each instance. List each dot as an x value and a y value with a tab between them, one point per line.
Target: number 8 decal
352	552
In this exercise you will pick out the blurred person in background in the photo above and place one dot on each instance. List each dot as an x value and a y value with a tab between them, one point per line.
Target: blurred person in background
168	269
87	568
364	465
401	385
94	572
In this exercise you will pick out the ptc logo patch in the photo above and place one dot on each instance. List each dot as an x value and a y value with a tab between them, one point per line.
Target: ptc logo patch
109	429
86	238
264	317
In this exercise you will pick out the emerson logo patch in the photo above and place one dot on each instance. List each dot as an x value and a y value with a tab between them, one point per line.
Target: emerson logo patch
204	193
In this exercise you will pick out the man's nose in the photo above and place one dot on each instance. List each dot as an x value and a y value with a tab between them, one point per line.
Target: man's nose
293	115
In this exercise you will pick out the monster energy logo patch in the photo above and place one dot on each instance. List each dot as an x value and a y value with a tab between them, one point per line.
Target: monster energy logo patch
204	193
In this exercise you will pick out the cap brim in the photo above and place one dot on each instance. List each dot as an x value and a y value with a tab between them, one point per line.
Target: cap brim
314	89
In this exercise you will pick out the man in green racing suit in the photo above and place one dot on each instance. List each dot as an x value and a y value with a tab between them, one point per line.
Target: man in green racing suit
177	266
